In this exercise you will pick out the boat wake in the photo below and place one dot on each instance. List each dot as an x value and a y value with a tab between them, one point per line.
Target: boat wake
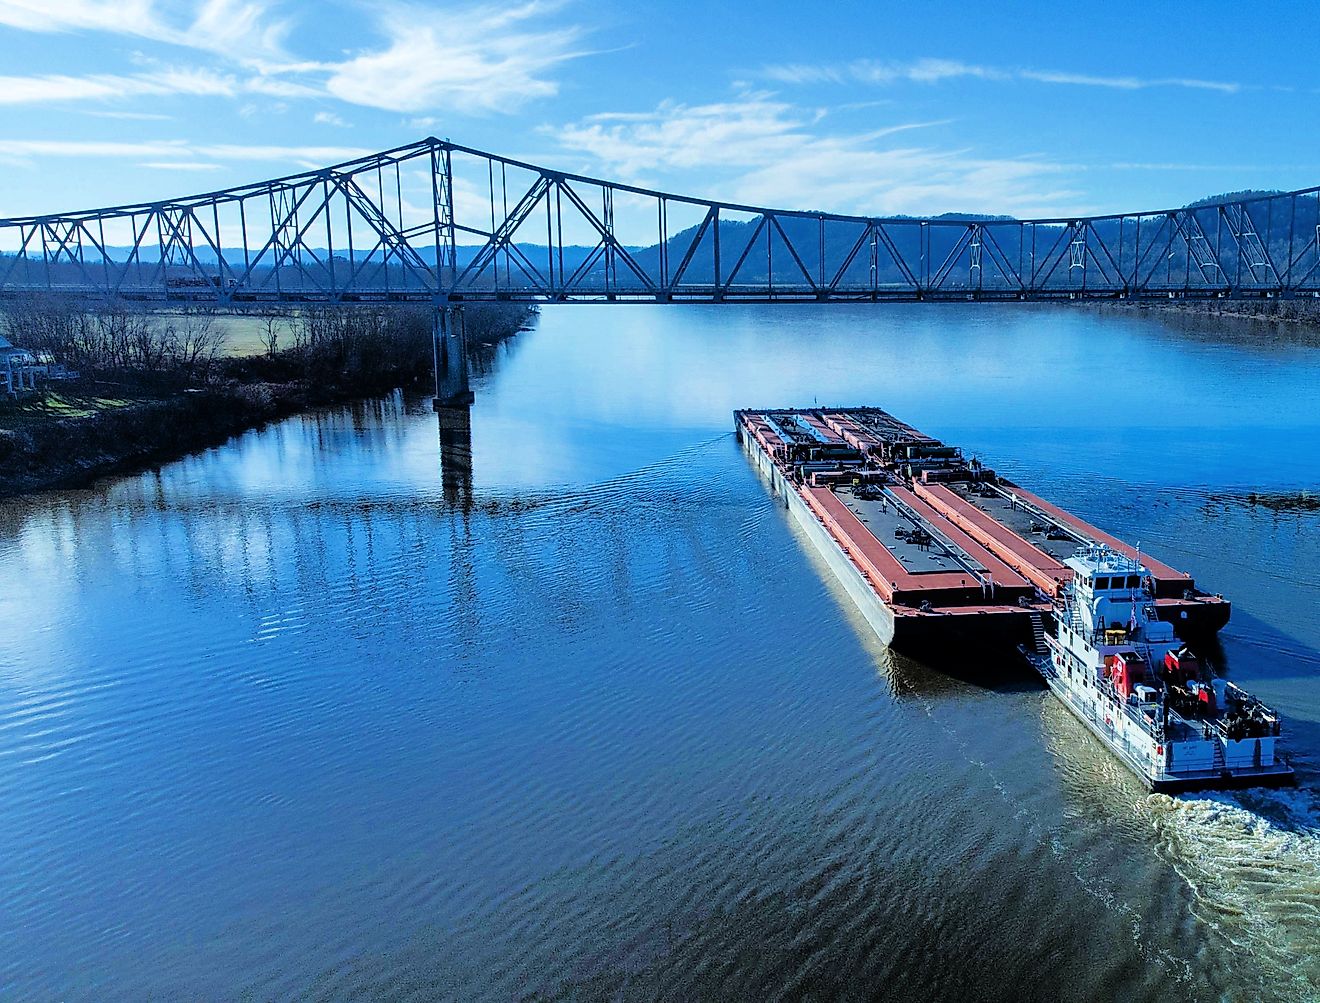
1252	863
1085	869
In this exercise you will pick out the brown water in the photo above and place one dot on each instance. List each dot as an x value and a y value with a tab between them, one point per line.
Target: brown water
323	713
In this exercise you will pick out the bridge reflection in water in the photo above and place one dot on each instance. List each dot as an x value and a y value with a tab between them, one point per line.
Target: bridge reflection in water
456	454
453	405
436	222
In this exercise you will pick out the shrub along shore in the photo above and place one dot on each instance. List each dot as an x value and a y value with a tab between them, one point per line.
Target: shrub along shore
151	388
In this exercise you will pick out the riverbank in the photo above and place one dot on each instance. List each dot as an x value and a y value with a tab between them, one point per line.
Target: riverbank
1303	313
72	452
90	428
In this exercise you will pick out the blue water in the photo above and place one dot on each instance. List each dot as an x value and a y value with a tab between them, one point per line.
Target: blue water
326	713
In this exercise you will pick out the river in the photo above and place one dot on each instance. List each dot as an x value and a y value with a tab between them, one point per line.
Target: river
576	715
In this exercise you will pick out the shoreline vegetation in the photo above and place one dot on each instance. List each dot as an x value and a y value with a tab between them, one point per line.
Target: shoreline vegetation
151	387
1303	312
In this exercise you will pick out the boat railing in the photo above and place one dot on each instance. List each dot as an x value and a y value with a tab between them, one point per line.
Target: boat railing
1151	725
1100	635
1204	726
1250	718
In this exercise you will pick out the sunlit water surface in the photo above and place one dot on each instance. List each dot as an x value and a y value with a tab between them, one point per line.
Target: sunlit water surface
316	714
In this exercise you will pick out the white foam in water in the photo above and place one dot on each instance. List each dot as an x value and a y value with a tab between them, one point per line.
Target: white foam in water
1252	863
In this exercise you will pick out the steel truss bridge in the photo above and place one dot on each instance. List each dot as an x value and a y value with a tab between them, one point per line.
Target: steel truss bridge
439	223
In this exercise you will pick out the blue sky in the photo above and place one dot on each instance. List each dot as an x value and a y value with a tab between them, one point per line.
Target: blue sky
854	107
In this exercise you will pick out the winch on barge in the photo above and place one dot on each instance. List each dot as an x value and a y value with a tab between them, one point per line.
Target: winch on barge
945	559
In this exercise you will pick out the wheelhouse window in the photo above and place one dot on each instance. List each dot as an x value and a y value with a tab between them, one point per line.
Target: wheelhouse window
1102	583
1134	581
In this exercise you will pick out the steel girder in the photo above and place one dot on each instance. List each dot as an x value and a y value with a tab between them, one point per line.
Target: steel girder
438	222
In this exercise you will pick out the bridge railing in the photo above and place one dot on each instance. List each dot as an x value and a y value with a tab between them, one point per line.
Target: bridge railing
438	222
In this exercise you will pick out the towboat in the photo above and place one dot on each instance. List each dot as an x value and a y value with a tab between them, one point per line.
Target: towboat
1162	711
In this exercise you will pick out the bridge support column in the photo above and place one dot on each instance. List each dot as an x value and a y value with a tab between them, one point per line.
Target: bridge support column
449	345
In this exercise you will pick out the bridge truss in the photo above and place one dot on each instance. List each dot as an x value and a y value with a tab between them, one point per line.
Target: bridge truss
441	223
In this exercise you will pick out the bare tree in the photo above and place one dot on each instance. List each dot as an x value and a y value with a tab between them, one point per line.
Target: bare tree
195	343
147	344
48	326
120	336
273	320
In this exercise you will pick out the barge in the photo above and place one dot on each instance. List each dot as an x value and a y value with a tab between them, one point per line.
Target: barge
941	554
945	559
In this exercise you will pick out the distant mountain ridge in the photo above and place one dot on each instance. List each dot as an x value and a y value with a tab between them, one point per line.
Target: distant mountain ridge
1242	196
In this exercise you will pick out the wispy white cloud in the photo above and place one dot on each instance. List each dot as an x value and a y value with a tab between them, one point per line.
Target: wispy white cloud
53	88
102	87
763	151
1211	168
931	71
240	30
869	71
477	60
175	152
329	118
310	156
924	71
181	165
134	116
129	17
1128	83
28	148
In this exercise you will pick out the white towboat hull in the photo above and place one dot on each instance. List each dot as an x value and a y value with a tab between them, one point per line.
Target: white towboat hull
1156	766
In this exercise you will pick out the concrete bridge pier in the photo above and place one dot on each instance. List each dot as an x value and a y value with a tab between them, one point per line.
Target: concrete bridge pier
449	344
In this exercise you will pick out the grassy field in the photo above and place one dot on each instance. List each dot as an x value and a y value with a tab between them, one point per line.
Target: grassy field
243	335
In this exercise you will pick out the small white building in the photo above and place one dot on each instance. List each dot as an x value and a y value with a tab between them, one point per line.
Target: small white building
18	369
